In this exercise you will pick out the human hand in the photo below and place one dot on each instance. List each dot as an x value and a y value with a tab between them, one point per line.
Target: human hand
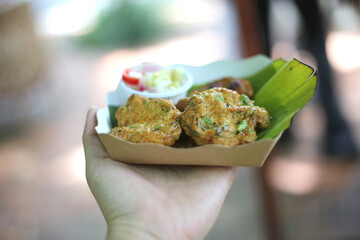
153	202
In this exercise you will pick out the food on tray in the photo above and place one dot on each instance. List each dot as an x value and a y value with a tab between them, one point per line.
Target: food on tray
222	116
144	120
281	87
239	85
219	112
153	78
215	116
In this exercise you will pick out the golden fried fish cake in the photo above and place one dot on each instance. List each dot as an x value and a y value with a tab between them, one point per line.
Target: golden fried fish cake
222	116
239	85
144	120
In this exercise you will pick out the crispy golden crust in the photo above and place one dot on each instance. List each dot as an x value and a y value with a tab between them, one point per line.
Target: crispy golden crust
222	116
144	120
241	86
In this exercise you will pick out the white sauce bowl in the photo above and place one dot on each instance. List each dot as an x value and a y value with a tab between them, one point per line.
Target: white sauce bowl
173	95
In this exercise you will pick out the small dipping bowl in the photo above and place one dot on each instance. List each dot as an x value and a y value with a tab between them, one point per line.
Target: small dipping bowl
173	95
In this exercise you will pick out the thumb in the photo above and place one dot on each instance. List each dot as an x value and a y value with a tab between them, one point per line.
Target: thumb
93	147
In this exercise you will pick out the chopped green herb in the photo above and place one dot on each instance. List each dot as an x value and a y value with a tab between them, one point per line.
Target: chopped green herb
242	125
244	100
165	109
192	103
177	120
253	111
146	104
251	131
194	133
220	98
207	120
157	128
134	126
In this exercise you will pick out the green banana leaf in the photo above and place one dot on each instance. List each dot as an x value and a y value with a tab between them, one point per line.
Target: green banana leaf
112	111
282	88
284	94
259	79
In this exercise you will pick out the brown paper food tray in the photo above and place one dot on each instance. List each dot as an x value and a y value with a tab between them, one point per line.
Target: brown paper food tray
252	154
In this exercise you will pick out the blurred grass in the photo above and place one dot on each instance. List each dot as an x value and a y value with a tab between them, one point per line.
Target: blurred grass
127	23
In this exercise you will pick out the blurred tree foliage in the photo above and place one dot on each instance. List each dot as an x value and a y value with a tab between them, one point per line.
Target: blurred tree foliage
127	23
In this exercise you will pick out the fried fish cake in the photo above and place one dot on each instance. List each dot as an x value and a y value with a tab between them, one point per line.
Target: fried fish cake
239	85
144	120
222	116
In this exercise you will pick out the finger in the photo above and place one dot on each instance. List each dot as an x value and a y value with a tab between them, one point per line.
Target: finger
232	173
229	176
91	122
225	175
93	147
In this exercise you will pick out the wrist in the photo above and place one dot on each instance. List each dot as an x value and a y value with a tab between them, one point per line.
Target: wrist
131	232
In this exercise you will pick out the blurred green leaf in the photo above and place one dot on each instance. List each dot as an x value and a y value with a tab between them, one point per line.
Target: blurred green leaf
127	23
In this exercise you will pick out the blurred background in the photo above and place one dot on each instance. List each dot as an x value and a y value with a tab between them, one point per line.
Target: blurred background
59	57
